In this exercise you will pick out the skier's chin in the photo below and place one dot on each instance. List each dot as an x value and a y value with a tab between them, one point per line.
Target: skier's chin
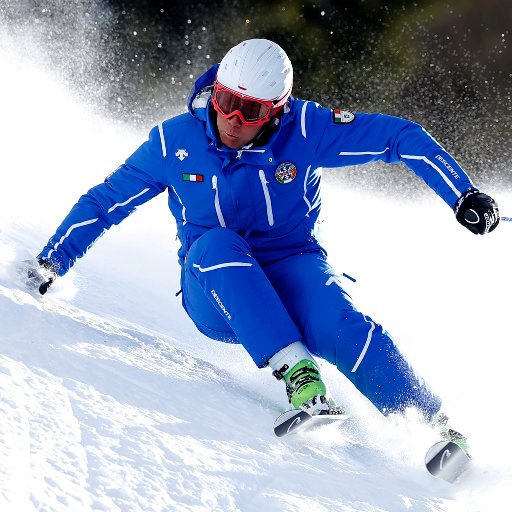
231	141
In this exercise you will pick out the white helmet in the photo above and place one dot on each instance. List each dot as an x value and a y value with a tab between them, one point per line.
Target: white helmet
257	68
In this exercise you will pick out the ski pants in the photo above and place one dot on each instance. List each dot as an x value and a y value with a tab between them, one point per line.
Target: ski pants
231	297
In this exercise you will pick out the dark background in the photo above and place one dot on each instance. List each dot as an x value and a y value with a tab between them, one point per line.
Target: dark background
446	65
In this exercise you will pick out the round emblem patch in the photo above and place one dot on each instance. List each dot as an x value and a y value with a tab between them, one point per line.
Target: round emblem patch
285	172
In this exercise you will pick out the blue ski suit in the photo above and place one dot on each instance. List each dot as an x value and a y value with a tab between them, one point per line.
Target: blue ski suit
252	270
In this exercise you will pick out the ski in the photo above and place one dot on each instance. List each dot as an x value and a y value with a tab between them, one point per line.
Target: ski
296	419
447	460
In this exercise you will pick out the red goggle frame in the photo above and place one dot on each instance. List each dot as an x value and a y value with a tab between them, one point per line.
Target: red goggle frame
251	111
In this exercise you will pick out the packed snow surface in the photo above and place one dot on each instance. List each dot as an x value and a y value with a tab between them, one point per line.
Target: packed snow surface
110	400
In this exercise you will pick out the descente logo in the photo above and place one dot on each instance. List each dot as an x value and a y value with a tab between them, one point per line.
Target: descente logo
453	172
221	306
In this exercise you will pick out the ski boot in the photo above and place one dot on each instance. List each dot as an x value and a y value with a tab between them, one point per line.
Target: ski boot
304	386
306	390
440	422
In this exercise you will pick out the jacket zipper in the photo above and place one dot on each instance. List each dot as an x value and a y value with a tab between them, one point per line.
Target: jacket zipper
217	202
266	193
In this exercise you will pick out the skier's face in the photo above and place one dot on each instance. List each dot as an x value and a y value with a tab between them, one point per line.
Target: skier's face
233	133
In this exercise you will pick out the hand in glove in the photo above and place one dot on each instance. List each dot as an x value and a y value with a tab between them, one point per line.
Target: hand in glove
477	211
39	275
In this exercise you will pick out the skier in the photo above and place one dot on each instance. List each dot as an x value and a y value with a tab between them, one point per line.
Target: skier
242	169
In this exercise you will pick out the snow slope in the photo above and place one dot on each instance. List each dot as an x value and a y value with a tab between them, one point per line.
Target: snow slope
110	400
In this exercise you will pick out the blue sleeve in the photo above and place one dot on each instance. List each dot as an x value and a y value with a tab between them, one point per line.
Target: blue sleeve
363	138
141	178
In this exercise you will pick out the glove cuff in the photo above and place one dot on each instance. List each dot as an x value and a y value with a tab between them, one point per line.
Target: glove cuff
463	197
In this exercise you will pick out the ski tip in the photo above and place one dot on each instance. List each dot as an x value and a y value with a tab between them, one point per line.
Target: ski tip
290	421
295	419
447	460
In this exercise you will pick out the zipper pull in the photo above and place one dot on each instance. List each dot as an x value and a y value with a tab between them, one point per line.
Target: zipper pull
217	202
268	201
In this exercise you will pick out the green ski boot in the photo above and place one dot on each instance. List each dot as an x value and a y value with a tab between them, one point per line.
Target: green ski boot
448	434
303	383
305	389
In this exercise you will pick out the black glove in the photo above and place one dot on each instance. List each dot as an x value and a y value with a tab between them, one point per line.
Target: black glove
477	211
39	275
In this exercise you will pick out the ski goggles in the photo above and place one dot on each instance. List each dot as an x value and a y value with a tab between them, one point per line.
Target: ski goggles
251	111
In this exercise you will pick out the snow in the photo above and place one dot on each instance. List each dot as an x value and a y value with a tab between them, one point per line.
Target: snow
110	400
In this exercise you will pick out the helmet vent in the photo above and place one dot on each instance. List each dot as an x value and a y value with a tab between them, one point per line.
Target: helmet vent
268	49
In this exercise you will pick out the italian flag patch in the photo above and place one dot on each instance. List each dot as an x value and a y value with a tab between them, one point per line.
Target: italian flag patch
193	177
342	116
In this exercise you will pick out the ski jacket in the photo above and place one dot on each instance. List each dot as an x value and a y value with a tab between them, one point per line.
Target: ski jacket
269	194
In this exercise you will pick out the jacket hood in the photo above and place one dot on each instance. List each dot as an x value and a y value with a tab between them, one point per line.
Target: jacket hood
201	92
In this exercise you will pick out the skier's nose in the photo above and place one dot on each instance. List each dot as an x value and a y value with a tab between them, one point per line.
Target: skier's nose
235	121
